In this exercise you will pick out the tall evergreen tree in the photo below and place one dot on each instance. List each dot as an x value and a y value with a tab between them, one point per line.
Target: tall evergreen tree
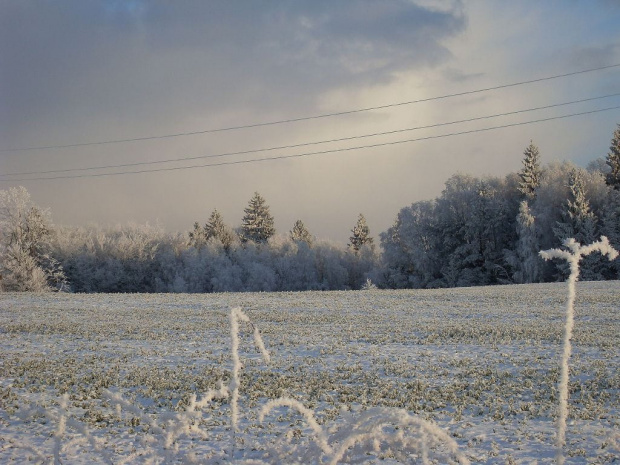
613	160
197	237
258	224
361	235
531	172
300	233
529	267
579	222
218	230
610	227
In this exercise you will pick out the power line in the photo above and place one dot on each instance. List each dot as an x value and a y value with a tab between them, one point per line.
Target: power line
313	117
268	149
307	154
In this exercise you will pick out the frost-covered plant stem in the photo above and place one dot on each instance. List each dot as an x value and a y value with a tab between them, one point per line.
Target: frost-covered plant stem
60	431
236	315
307	414
573	257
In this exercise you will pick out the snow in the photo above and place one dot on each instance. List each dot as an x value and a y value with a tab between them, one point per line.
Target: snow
480	363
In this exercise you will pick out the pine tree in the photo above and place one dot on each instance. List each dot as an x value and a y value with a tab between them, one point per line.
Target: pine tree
531	172
361	235
613	160
299	233
258	224
218	230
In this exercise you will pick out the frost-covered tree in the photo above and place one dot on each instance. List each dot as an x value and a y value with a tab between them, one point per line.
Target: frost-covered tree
528	266
610	228
25	234
578	220
613	160
410	248
531	171
217	230
580	223
475	225
300	233
360	235
258	224
197	237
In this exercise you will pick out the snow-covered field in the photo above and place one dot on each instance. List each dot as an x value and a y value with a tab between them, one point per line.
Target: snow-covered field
481	363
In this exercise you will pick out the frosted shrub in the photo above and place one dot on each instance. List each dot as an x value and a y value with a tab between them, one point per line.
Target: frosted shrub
369	285
573	256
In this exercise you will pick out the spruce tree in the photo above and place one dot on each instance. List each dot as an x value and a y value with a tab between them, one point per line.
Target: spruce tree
531	172
218	230
613	160
258	224
580	223
197	237
299	233
361	234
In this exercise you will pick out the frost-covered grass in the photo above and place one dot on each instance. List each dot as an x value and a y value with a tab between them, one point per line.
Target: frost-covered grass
146	377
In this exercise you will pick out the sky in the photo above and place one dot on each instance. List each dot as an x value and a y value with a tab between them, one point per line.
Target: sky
75	72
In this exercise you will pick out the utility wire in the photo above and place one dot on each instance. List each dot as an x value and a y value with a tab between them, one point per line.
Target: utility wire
306	118
307	154
268	149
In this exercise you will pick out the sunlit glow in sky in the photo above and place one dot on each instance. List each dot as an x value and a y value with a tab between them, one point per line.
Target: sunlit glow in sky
74	72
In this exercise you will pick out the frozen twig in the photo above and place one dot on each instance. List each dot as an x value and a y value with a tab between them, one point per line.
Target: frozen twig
307	414
573	256
237	315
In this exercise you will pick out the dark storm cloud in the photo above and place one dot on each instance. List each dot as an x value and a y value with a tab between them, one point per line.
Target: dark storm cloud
77	61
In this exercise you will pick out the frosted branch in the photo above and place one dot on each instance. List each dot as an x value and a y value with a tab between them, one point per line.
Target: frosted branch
305	412
577	252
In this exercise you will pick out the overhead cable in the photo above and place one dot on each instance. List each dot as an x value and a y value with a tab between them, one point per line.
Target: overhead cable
312	117
305	144
307	154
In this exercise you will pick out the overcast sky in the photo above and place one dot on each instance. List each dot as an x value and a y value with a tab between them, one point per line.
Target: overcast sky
79	71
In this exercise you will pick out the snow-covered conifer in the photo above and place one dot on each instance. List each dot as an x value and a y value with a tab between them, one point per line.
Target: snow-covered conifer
579	222
528	245
218	230
258	224
197	237
610	227
361	235
300	233
531	172
613	160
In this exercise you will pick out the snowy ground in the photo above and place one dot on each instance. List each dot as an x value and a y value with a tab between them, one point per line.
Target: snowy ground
481	363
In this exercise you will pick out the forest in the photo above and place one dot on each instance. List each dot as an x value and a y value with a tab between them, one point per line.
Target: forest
479	231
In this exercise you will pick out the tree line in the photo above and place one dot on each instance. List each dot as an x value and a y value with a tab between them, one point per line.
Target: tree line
479	231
